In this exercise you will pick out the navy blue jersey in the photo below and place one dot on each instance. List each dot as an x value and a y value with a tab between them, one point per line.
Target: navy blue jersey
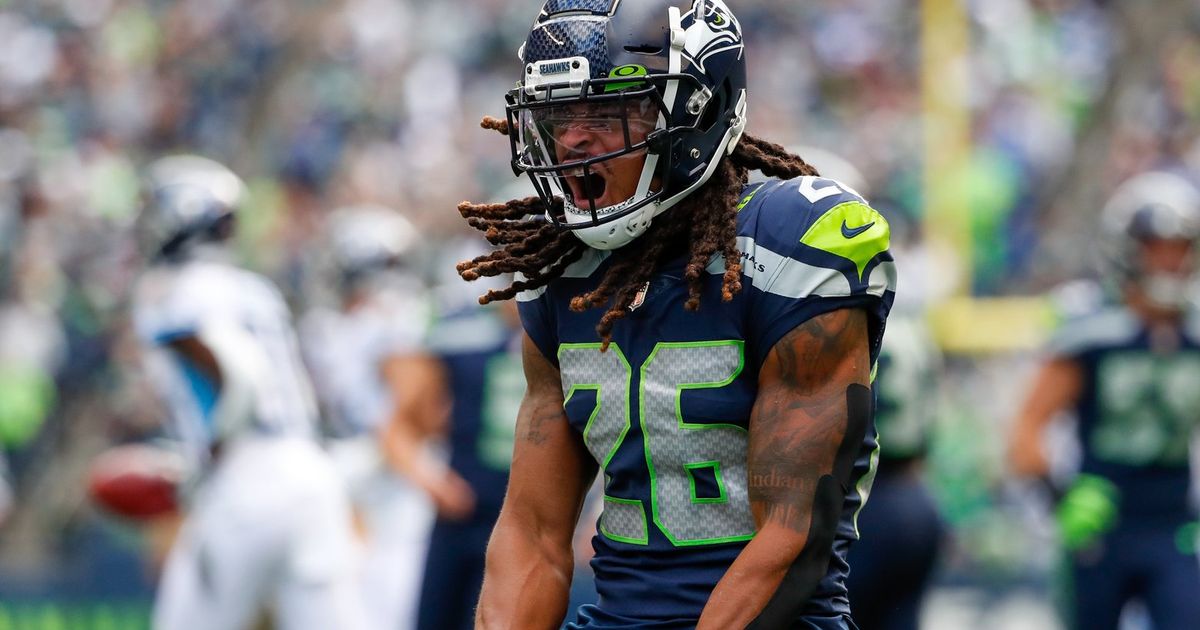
1138	408
482	360
665	410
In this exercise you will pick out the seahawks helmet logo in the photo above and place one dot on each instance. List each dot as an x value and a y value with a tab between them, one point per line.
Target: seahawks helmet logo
713	30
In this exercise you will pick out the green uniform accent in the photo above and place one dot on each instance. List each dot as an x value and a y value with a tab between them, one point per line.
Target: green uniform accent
828	234
632	70
1087	511
746	200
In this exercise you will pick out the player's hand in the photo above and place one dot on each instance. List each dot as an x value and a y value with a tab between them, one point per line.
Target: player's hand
453	497
1087	511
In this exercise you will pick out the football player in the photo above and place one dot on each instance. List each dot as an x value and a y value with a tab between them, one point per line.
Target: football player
706	345
373	375
1129	372
268	522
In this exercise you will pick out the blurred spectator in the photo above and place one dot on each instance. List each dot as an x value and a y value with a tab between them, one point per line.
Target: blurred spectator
327	102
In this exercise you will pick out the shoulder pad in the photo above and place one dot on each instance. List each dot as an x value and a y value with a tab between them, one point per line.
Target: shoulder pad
1102	328
822	215
582	268
820	223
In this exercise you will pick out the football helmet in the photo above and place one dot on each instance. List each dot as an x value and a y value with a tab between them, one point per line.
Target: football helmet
624	108
1152	206
365	239
188	200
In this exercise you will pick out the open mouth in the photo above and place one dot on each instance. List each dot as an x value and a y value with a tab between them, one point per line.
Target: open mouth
587	186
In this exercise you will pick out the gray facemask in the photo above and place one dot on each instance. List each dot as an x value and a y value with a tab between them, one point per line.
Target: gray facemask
1166	290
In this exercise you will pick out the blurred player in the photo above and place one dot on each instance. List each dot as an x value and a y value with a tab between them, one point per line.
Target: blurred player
900	527
707	344
1131	374
373	376
268	523
479	351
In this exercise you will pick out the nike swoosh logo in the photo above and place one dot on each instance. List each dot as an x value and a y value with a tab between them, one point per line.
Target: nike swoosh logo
850	232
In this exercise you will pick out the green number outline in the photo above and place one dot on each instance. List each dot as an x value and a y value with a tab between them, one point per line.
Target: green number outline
613	347
741	346
722	496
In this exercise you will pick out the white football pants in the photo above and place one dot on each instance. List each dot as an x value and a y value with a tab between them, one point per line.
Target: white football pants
270	529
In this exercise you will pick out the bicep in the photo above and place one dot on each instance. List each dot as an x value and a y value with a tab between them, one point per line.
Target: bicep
551	470
812	409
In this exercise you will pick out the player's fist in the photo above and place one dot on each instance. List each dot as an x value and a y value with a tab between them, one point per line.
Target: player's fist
136	481
453	497
1087	511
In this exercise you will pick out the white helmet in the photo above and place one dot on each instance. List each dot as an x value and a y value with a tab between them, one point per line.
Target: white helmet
1155	205
367	238
189	200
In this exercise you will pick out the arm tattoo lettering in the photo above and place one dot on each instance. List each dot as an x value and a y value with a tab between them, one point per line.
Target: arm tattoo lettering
800	418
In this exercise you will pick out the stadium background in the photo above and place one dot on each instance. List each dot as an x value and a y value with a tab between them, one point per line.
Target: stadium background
990	133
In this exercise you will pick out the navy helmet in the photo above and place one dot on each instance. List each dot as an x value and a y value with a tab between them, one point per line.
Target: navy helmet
670	75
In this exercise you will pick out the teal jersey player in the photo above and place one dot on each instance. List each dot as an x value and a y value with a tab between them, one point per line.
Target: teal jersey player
666	409
1129	372
702	347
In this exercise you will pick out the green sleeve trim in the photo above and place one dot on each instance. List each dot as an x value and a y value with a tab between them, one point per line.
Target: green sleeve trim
851	230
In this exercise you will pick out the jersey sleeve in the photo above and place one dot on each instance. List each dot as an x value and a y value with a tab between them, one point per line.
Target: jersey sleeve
174	306
1077	336
810	246
538	322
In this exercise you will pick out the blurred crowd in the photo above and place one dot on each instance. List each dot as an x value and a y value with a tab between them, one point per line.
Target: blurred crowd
323	103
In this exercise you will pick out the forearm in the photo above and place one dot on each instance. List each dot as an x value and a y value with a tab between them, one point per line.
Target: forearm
758	573
807	429
1025	452
527	581
779	569
529	561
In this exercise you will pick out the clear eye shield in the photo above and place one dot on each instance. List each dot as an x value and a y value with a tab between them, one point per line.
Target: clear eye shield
600	144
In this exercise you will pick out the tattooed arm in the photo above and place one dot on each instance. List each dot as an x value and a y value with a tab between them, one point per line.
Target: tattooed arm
529	557
812	408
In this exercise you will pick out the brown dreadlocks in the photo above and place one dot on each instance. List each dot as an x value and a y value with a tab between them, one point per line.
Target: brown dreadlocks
707	218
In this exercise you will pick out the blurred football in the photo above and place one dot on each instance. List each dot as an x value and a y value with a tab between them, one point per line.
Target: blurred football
136	481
